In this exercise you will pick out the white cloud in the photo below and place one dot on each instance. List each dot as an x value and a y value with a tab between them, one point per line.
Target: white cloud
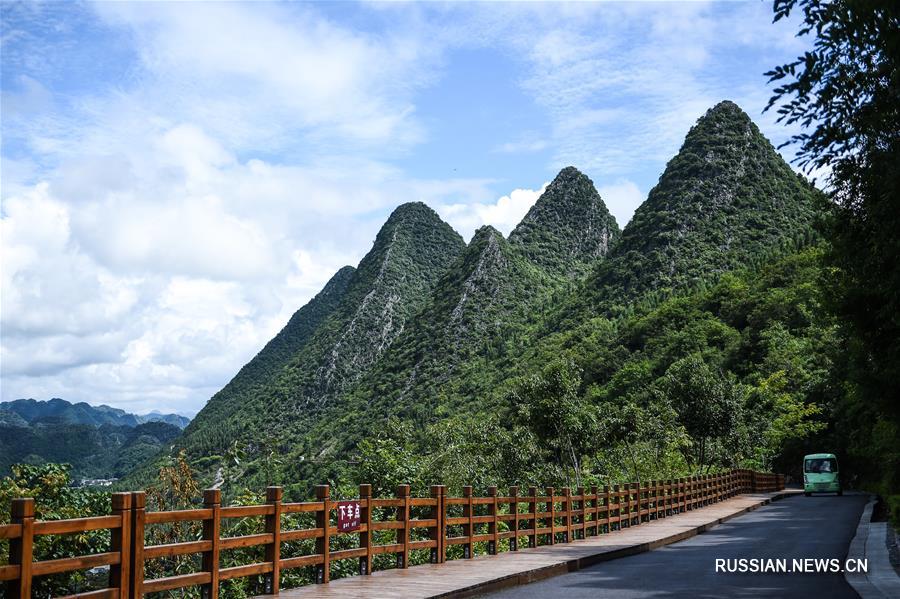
624	81
503	214
150	286
160	224
234	67
622	198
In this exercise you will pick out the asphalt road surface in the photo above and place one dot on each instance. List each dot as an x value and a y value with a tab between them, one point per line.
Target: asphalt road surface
795	527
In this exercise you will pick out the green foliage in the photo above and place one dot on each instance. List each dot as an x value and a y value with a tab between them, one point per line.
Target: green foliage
845	92
782	417
107	451
48	485
707	402
551	407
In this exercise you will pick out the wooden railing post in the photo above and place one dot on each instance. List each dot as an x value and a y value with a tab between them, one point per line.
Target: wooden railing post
753	483
582	525
492	525
551	508
212	500
567	514
21	549
120	542
273	549
514	523
437	533
403	533
138	507
592	506
608	502
655	493
323	543
365	537
644	499
468	528
532	510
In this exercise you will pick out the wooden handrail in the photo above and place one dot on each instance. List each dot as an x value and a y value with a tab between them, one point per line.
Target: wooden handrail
492	522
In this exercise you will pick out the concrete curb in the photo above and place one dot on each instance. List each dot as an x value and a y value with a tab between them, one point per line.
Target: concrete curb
574	565
869	543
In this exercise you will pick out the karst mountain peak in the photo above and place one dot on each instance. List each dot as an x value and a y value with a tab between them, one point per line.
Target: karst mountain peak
568	228
725	197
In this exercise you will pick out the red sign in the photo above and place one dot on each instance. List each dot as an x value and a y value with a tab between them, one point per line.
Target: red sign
348	516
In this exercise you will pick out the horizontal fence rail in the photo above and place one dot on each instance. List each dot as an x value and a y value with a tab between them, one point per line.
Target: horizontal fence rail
395	526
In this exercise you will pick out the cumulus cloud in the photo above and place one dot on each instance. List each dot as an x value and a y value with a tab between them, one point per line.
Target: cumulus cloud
503	214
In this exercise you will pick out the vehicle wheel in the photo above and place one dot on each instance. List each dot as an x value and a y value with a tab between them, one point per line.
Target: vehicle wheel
840	492
807	494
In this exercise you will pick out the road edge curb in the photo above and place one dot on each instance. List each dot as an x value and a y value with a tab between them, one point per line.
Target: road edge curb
859	549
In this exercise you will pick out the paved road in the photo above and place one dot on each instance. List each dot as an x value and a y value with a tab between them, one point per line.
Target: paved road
797	527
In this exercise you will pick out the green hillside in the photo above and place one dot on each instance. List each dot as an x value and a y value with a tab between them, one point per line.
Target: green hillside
334	340
725	198
101	452
60	411
212	421
430	338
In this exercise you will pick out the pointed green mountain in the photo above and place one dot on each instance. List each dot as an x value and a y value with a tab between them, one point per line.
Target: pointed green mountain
569	228
483	311
726	197
357	317
257	374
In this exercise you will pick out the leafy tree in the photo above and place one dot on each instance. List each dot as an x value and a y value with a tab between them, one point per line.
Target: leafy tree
389	459
550	405
785	417
845	92
708	403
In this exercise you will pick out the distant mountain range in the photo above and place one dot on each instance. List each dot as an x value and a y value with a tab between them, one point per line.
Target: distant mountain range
60	411
99	442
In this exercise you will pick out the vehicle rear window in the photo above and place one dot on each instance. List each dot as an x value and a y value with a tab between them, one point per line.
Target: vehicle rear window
820	465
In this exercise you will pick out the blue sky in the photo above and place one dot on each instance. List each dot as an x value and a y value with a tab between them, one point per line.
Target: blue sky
178	178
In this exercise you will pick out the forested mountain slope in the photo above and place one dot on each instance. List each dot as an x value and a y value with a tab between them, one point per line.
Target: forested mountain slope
60	411
344	333
484	310
726	197
98	441
428	330
211	424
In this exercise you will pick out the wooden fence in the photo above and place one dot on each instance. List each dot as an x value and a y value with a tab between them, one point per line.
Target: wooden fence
435	524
